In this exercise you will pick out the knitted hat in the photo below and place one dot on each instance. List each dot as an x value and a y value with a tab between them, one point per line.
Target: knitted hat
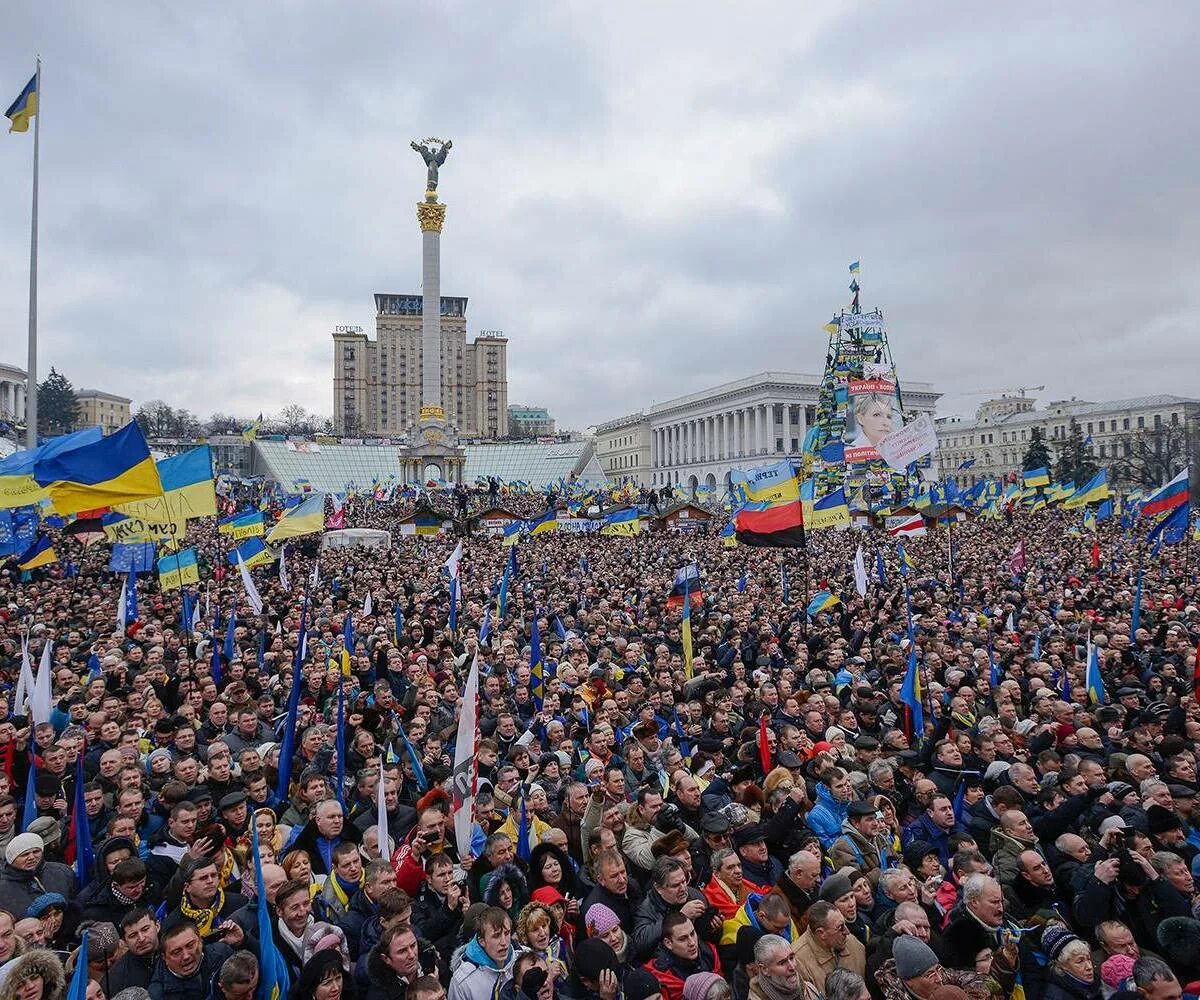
47	828
1179	939
593	956
1054	939
21	843
697	985
835	887
638	984
600	920
44	902
1115	970
913	957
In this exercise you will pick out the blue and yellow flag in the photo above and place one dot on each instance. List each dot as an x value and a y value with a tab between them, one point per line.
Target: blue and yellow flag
250	432
906	563
729	535
822	602
622	522
305	519
18	488
831	511
547	522
24	107
768	484
40	553
177	569
253	551
274	982
187	482
113	470
537	686
1095	490
1036	477
687	633
246	524
1095	683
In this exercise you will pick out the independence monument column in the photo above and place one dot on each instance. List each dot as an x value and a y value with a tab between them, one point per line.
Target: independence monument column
433	441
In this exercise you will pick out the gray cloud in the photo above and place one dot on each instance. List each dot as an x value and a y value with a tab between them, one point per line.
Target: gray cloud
647	198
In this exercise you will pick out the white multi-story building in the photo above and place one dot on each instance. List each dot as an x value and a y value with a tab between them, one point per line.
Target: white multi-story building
997	439
698	439
623	448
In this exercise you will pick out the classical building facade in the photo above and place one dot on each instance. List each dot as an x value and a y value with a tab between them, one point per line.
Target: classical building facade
700	438
377	382
996	440
12	393
623	448
104	409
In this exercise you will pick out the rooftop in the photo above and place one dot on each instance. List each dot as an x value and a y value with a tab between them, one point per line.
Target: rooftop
1071	408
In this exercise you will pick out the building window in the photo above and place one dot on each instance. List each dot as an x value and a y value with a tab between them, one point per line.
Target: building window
1141	423
1125	423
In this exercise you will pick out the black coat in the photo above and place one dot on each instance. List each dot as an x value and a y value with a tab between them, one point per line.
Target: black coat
165	985
623	907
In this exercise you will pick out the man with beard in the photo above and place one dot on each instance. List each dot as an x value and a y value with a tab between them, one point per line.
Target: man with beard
776	976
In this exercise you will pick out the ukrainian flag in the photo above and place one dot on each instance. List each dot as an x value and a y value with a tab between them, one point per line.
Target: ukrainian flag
687	636
251	432
40	553
622	522
175	570
830	511
253	552
244	525
512	532
547	522
768	484
18	488
1036	477
113	470
304	519
1095	490
822	602
24	107
188	492
729	535
906	562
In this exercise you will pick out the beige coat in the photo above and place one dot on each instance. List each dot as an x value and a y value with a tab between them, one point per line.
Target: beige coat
815	961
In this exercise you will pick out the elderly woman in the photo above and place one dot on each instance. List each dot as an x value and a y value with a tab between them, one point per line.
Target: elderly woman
1072	975
36	974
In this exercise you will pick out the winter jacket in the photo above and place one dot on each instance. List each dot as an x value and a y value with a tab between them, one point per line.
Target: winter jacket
360	910
672	972
165	985
637	842
1006	852
19	888
478	977
856	851
815	961
1063	987
435	921
647	922
745	917
971	983
825	819
927	830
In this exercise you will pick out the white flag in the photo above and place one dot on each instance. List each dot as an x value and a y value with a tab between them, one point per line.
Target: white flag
121	622
248	584
381	821
40	704
316	574
25	683
368	607
1010	625
860	573
283	577
452	562
466	768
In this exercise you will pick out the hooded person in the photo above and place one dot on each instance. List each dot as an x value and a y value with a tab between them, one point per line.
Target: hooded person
18	976
487	960
322	964
507	889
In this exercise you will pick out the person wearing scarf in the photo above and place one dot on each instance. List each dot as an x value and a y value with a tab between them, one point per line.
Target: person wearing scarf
333	901
204	902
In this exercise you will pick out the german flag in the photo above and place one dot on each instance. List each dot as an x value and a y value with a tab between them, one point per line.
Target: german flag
779	525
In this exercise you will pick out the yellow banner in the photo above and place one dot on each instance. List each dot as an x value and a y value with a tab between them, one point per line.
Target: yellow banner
19	491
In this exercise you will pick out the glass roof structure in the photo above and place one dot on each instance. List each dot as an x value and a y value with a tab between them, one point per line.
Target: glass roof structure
333	467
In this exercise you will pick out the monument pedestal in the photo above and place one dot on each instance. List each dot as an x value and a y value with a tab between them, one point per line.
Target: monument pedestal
433	451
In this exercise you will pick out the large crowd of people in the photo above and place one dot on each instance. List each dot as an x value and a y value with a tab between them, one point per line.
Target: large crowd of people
770	821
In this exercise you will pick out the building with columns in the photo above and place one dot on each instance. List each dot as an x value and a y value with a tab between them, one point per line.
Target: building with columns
698	439
12	393
623	448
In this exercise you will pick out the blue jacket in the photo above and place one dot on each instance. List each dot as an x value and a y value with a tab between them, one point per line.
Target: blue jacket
825	819
925	829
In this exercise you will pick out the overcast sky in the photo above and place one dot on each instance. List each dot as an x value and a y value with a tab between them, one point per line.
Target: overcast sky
648	199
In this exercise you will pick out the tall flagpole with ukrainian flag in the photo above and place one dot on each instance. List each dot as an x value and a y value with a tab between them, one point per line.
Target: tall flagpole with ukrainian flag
26	106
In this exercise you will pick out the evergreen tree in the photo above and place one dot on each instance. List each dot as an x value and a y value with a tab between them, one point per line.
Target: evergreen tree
1076	463
1037	455
58	409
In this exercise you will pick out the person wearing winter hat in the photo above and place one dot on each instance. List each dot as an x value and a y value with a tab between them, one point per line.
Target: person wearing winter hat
638	984
917	967
1114	972
1071	973
706	986
26	875
1179	939
596	964
604	924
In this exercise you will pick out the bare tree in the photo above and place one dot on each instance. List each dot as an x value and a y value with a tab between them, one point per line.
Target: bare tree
1148	458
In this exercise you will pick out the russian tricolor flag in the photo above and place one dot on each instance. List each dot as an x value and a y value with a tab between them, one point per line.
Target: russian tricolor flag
1173	495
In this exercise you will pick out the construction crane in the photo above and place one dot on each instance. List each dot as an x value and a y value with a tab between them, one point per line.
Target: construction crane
1019	391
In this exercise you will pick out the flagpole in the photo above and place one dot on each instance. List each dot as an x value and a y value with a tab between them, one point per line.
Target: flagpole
31	385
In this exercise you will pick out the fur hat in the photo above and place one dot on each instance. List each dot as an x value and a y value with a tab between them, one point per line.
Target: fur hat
35	962
1179	938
